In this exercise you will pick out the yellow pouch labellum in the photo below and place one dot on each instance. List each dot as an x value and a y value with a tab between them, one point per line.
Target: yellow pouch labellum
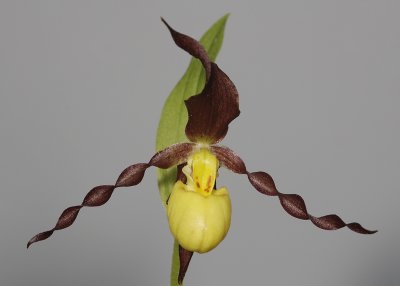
199	223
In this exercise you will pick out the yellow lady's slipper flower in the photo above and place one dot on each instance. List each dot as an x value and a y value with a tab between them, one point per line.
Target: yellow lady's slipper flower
198	214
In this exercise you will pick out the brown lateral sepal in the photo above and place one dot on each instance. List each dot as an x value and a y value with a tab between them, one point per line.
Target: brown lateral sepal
184	259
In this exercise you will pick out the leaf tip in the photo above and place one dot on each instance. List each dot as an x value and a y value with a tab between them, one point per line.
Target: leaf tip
223	19
226	16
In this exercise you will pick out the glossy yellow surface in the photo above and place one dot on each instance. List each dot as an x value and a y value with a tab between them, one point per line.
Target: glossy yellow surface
198	222
199	217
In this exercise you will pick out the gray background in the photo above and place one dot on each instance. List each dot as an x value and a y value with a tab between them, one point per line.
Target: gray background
82	84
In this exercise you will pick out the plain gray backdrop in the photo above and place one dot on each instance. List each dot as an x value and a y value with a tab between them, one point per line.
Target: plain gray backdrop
82	84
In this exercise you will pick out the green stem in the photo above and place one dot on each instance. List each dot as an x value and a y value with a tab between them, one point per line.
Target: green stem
175	265
171	128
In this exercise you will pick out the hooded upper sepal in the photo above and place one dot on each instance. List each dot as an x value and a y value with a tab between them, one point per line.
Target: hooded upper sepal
211	111
192	46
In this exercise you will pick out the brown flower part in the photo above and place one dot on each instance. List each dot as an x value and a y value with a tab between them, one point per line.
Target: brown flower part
184	259
292	203
184	255
131	176
211	111
192	46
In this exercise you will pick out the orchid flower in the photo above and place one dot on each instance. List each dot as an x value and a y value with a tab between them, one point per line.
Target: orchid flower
198	213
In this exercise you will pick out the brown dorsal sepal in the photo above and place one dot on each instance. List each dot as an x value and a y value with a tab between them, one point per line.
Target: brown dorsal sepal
211	111
191	46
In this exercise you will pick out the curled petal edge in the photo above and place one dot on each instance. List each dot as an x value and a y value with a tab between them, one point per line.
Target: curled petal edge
293	204
191	46
211	111
131	176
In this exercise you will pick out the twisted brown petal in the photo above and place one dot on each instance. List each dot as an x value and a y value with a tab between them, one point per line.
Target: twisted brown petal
184	259
295	206
211	111
292	203
172	155
131	176
229	159
67	217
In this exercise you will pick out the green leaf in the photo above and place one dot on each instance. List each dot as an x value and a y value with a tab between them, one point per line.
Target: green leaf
171	128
